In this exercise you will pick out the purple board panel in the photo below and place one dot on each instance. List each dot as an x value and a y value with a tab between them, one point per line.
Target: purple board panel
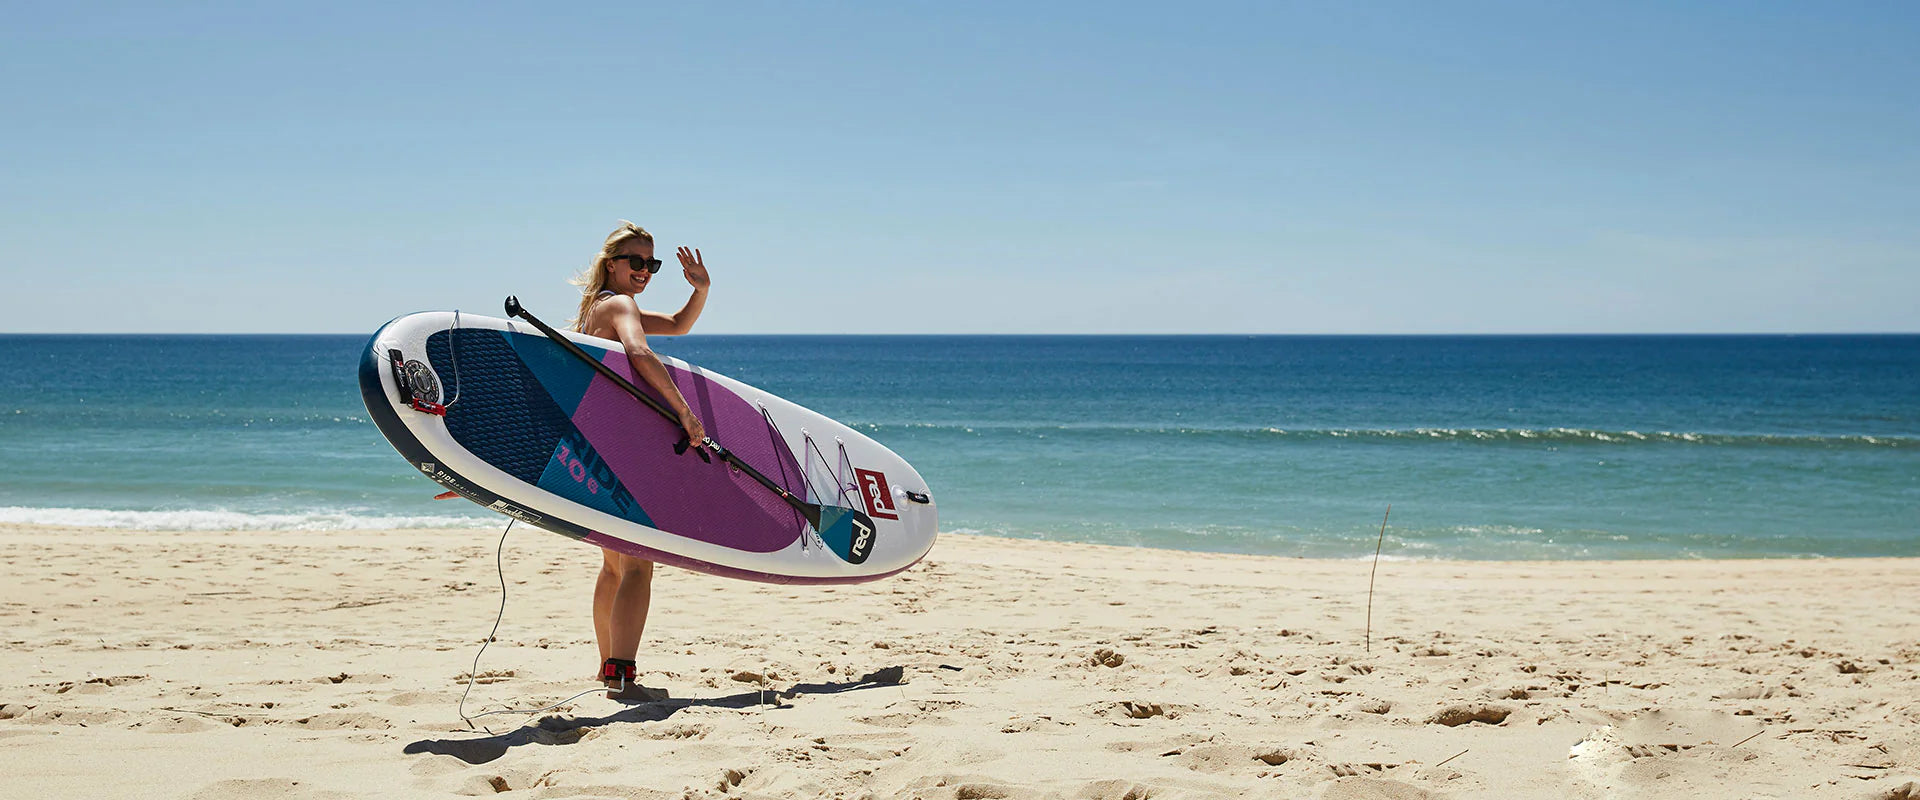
682	495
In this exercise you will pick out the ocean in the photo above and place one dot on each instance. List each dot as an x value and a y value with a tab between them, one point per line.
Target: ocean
1486	447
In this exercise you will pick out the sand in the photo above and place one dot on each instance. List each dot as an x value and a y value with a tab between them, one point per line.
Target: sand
329	664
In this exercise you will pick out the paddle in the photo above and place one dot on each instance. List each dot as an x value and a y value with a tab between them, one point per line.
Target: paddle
809	510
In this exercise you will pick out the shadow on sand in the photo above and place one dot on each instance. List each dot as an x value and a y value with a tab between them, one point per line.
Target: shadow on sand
563	729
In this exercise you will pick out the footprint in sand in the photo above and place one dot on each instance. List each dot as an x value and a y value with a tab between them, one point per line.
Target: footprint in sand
1228	758
1039	722
84	717
434	766
487	676
424	699
902	720
486	784
1756	691
1373	789
1667	753
1906	791
970	787
1137	709
1116	790
344	721
180	724
266	789
1372	705
675	731
1457	715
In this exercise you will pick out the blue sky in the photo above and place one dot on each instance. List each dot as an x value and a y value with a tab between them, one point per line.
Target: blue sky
971	168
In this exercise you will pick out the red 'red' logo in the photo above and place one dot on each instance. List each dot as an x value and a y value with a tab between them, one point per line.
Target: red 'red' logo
879	497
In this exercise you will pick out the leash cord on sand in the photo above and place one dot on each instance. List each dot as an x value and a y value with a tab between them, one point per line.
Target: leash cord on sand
499	564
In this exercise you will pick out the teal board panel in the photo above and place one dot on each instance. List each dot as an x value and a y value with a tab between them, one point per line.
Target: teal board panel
578	473
562	374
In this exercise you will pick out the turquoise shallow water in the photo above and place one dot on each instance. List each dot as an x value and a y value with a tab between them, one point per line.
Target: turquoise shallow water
1487	447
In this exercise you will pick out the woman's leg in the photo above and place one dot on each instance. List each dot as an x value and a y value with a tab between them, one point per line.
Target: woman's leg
631	599
621	598
603	590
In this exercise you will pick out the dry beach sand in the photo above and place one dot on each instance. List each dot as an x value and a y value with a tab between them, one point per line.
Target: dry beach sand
328	665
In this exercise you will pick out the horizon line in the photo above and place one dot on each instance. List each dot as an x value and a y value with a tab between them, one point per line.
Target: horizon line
1196	334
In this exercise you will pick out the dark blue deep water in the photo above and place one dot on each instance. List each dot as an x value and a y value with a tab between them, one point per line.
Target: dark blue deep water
1486	446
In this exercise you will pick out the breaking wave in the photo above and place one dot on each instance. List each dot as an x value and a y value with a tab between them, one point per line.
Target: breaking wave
1468	435
217	520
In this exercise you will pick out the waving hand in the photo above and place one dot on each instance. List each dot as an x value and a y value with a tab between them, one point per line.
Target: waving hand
695	268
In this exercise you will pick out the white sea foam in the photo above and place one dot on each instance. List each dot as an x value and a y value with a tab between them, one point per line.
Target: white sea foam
220	520
1491	435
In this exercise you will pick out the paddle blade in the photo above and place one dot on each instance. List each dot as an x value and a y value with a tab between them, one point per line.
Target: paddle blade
848	533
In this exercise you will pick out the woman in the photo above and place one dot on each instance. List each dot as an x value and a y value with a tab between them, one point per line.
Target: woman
620	272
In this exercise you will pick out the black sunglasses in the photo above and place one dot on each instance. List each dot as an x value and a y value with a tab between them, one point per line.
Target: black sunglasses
650	265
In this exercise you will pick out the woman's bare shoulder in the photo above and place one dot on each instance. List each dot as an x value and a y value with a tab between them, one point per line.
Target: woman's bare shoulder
615	302
604	310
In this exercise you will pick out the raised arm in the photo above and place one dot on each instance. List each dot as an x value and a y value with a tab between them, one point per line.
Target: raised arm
627	321
681	322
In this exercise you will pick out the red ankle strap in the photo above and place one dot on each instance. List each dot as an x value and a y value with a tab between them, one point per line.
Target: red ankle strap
617	669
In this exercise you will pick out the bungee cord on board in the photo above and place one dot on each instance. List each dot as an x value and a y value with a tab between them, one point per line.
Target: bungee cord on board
453	351
840	484
809	451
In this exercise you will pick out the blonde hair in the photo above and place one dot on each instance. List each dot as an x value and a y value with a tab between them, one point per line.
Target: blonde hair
594	280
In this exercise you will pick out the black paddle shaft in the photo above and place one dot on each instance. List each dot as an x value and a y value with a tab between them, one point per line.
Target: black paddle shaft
809	510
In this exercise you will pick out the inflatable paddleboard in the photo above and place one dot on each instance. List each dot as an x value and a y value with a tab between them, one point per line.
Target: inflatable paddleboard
510	418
